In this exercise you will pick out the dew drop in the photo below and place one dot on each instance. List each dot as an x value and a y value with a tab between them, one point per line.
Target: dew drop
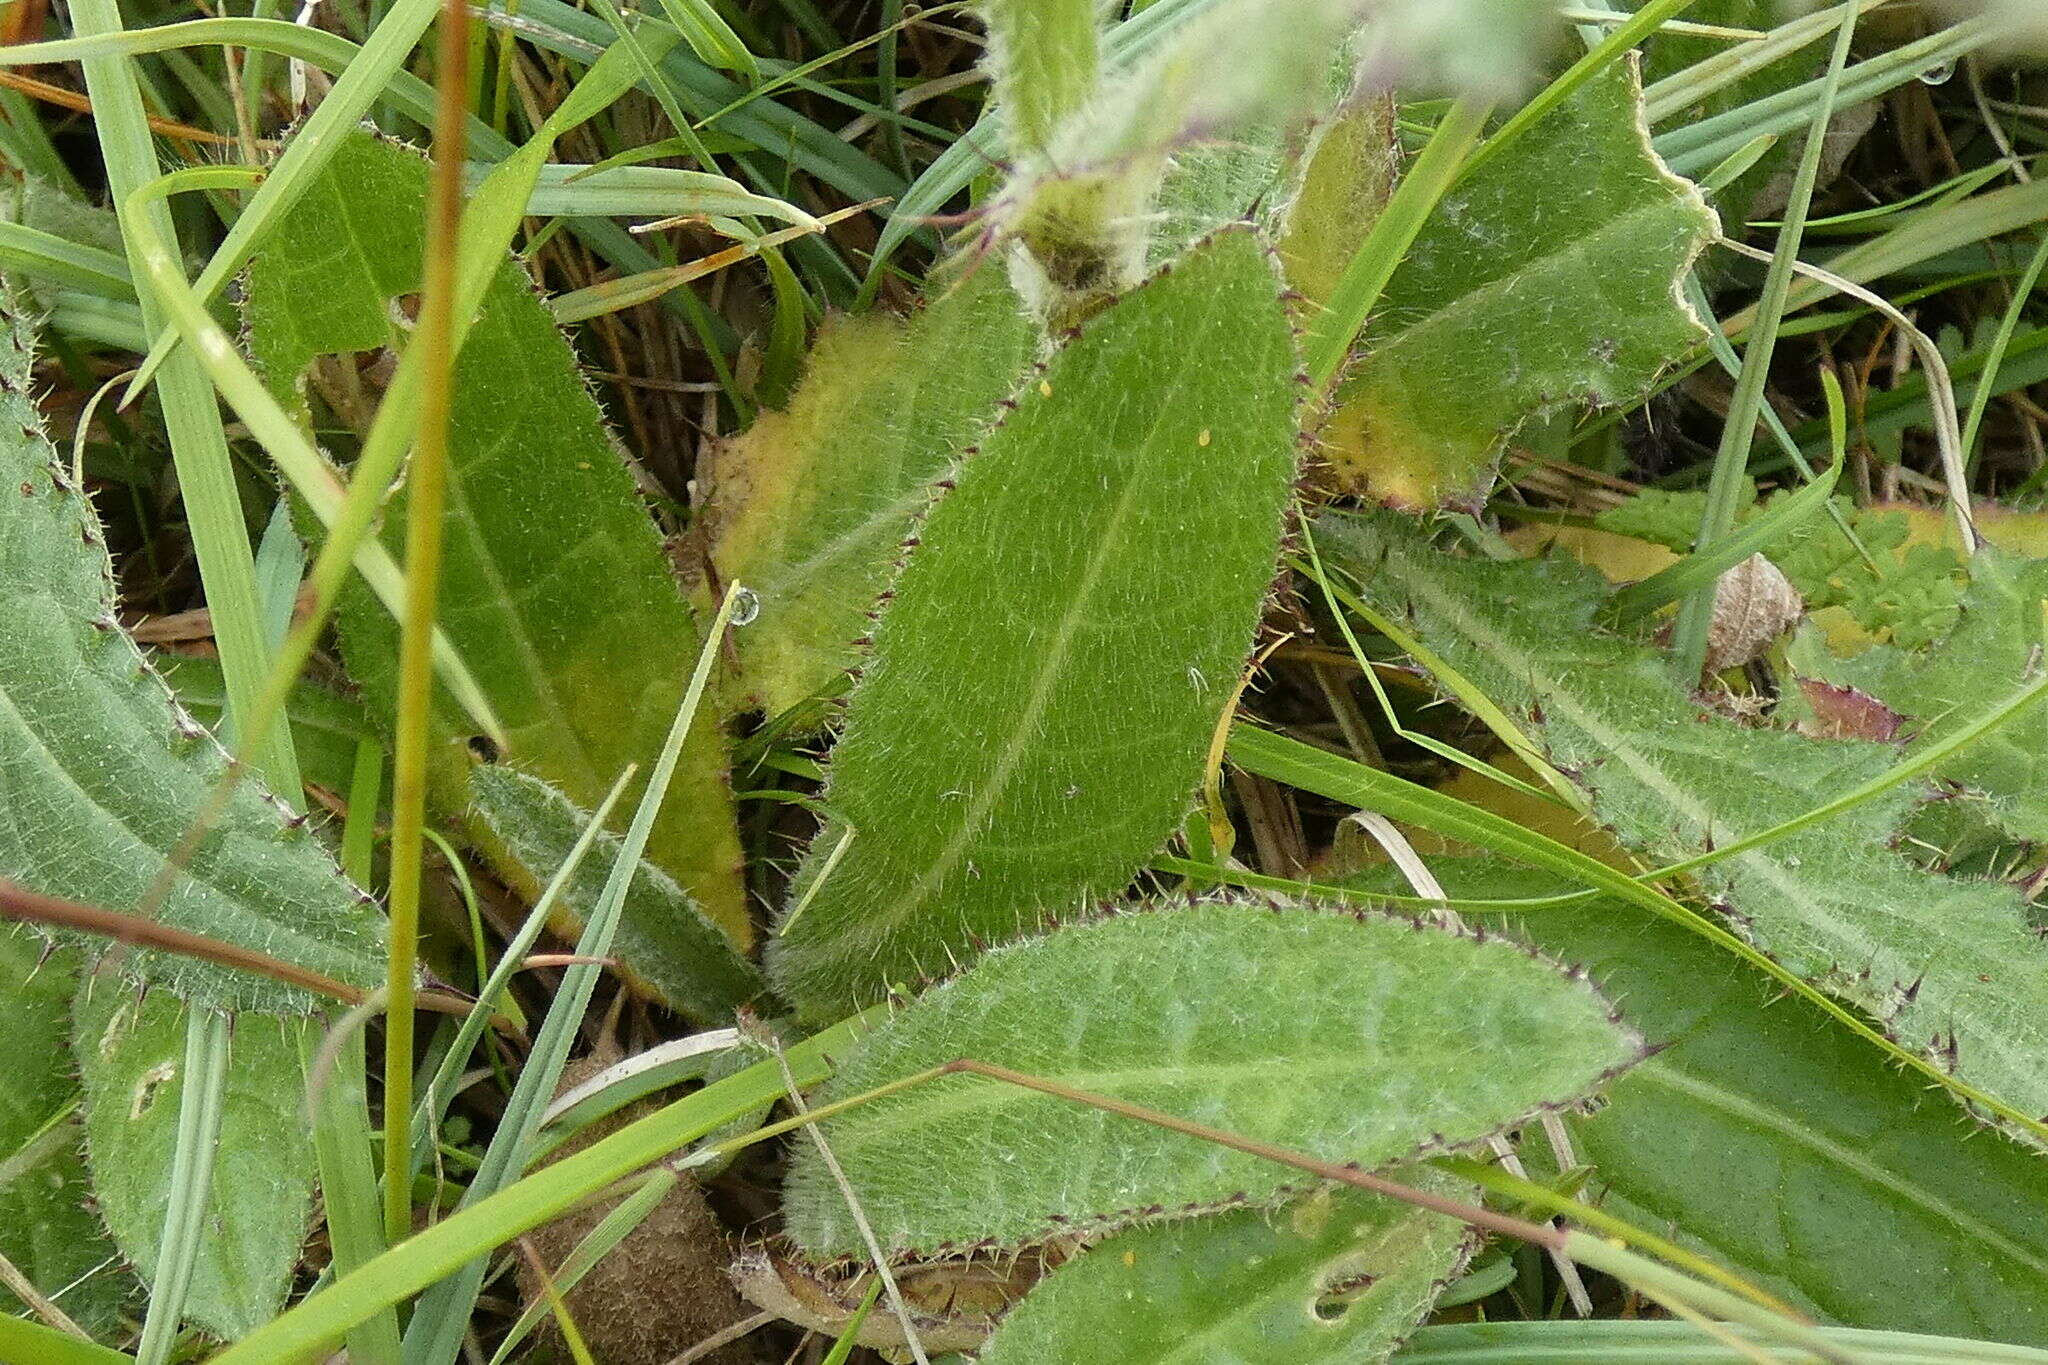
746	607
1940	73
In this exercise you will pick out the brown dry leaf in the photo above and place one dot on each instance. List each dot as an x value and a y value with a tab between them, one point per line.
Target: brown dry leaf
660	1289
1847	713
954	1305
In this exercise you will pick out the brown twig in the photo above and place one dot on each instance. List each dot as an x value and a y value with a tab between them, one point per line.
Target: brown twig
23	906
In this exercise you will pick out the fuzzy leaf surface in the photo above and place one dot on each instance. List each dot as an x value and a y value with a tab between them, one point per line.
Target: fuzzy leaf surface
1994	647
662	933
131	1055
1781	1145
1548	278
1244	1286
47	1228
555	589
1351	1038
810	505
1043	686
326	726
100	771
1949	967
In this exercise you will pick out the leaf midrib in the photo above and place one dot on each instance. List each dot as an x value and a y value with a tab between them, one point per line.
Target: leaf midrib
1012	750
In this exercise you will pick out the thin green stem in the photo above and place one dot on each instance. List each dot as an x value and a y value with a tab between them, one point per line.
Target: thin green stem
1604	54
204	1081
1980	402
1738	434
428	492
1332	331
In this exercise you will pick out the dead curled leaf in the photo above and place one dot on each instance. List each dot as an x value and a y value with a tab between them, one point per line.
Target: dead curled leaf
1754	603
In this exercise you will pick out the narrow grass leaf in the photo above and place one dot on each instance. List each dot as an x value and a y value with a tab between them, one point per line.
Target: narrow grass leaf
470	1232
1033	720
1704	567
1678	1343
1351	1039
439	1325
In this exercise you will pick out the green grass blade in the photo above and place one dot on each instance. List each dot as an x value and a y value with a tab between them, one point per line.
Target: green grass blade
331	121
30	1343
1677	1343
206	478
436	1331
43	255
1700	570
203	1088
342	1136
1331	331
462	1236
432	1109
1738	432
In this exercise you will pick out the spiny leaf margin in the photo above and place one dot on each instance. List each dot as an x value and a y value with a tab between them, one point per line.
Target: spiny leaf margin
1346	1035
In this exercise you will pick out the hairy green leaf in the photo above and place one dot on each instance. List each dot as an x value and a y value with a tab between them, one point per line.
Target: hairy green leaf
1350	1038
101	772
1043	56
810	506
1342	1276
1781	1145
131	1054
1948	967
556	590
1995	646
1032	722
47	1228
1546	278
662	935
1348	174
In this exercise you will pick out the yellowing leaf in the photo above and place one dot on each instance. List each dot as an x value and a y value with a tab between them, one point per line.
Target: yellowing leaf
810	505
1548	279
